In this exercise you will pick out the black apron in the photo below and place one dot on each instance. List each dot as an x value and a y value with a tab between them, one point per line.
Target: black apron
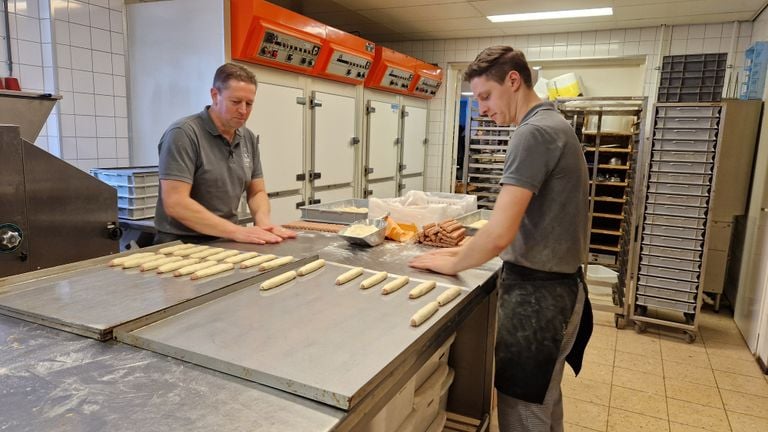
534	309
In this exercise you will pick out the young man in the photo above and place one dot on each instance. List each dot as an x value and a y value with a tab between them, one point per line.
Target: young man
539	228
207	161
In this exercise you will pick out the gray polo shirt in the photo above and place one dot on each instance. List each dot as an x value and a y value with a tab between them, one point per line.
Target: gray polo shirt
545	157
193	150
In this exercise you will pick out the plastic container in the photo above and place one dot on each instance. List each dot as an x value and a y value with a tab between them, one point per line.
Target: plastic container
666	304
687	122
679	189
684	145
672	263
665	209
668	283
663	177
129	176
136	213
680	200
431	365
394	412
668	273
669	231
666	252
688	111
694	223
691	134
673	242
139	201
672	156
682	167
136	191
666	293
756	63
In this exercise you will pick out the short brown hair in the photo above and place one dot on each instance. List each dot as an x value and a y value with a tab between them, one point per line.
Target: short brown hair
230	71
495	63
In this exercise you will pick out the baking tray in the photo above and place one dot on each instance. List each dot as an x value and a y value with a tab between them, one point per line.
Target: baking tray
473	217
329	212
92	301
310	337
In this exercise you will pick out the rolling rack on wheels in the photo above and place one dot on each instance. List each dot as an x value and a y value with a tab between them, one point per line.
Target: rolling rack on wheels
696	181
610	131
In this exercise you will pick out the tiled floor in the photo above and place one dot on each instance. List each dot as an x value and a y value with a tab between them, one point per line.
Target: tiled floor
655	381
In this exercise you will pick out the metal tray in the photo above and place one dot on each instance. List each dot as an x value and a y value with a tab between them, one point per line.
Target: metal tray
374	239
473	217
329	213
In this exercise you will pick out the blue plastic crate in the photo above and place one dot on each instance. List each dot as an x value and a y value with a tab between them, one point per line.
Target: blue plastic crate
756	63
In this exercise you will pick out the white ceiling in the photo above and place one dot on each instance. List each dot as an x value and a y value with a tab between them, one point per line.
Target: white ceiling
395	20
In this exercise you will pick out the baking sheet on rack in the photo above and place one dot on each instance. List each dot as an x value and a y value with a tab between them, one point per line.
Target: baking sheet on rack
309	337
94	300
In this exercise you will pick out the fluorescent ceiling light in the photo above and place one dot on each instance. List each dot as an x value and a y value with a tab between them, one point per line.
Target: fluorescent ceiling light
466	93
537	16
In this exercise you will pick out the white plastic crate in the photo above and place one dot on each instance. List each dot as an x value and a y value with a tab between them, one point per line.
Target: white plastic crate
687	122
136	213
663	230
695	179
668	283
678	156
137	191
681	222
673	242
686	254
666	304
679	200
686	134
668	273
137	176
684	145
682	167
671	210
139	201
679	189
688	111
666	293
673	263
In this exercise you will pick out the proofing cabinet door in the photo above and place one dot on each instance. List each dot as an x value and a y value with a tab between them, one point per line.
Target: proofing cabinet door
277	118
414	139
284	209
386	189
412	183
333	152
382	139
332	195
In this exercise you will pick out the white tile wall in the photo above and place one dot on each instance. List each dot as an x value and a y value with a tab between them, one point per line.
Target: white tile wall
74	48
685	39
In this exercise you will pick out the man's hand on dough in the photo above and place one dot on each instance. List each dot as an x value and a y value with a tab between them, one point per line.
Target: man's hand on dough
256	235
439	263
280	231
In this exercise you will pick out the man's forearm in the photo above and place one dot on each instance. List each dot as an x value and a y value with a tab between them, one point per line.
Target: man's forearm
192	214
260	209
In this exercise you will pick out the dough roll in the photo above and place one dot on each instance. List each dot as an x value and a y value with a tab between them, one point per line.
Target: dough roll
193	268
256	261
206	253
349	275
278	280
373	280
242	257
227	253
422	289
135	262
424	313
190	251
121	260
448	295
269	265
165	268
210	271
172	249
158	262
395	285
309	268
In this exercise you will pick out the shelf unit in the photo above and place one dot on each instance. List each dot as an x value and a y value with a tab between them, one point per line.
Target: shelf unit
692	78
485	148
696	183
610	132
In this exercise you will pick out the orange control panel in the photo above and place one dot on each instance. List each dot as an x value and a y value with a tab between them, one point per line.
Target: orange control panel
392	71
270	35
345	57
428	80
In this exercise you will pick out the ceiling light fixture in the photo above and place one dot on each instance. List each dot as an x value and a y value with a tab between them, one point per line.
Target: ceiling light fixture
538	16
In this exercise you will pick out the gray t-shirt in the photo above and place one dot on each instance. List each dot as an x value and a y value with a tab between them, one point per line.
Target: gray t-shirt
193	150
545	157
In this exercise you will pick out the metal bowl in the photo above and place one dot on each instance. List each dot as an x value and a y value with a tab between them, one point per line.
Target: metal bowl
373	239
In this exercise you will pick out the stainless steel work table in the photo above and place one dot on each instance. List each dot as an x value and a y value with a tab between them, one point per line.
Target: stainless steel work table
172	395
